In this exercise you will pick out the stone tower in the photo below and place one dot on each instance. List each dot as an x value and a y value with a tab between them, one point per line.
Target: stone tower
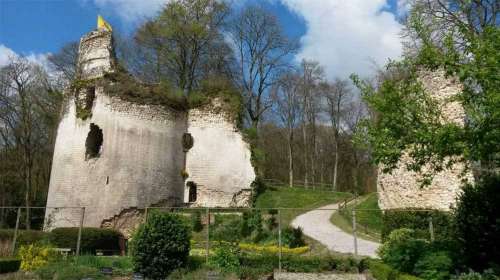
401	189
116	157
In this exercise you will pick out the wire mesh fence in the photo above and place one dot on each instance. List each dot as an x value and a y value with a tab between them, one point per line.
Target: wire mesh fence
275	232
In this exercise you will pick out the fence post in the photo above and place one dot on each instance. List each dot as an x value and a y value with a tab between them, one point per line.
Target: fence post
354	232
279	241
431	229
15	230
207	246
79	240
146	215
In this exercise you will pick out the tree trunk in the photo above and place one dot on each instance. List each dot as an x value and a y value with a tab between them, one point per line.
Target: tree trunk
335	166
304	136
290	159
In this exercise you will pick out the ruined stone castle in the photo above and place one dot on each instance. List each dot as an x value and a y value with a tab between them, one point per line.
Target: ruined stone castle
122	156
402	188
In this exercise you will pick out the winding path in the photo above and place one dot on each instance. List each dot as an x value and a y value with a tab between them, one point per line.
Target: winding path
316	224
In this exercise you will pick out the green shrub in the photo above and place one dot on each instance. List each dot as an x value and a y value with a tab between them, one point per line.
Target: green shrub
226	228
107	240
226	258
258	185
161	245
381	271
196	221
402	250
251	225
436	266
293	237
418	221
477	219
34	256
24	236
9	265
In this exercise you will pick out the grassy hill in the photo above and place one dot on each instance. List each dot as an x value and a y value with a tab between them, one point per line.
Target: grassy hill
368	217
301	198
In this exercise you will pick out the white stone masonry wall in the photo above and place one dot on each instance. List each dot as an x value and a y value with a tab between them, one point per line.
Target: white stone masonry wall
219	161
401	188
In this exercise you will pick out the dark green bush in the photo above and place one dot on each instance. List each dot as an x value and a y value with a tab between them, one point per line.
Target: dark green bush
93	239
418	221
196	221
436	266
258	185
226	228
9	265
477	219
272	222
161	245
251	225
402	250
24	236
293	237
107	240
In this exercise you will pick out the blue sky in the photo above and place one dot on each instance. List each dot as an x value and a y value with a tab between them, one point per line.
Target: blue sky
328	29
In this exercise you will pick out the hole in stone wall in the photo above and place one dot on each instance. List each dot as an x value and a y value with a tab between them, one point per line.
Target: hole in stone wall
187	141
94	142
89	98
193	192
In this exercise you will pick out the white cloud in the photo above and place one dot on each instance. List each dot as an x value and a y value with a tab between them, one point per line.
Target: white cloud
5	54
131	10
347	36
38	58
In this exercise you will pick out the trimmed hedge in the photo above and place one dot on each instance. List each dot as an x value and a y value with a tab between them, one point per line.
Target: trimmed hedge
306	264
93	239
381	271
418	220
24	237
9	265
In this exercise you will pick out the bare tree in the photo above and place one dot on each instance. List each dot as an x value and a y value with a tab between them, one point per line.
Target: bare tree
286	97
65	60
27	109
312	74
442	17
335	95
261	53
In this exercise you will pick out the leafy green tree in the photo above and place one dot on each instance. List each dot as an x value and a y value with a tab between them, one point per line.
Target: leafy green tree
407	120
182	41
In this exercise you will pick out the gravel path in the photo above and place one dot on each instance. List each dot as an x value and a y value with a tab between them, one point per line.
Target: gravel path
316	224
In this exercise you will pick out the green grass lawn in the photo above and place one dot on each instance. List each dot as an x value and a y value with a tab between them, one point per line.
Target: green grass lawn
286	197
368	217
304	199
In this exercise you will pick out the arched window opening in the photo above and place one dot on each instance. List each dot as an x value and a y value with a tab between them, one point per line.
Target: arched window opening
94	142
192	191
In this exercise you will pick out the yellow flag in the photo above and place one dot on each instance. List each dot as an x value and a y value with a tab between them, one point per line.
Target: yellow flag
101	23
